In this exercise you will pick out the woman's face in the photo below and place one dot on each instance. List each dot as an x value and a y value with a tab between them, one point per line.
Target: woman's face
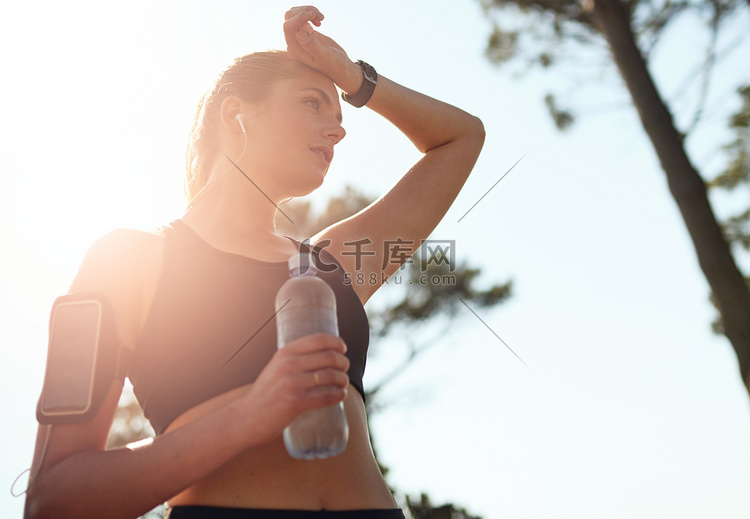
291	135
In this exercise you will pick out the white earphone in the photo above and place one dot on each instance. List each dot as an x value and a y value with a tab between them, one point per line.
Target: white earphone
200	193
239	120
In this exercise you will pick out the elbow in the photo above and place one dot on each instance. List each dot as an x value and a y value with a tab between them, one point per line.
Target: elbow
467	133
476	131
42	502
39	504
32	508
473	135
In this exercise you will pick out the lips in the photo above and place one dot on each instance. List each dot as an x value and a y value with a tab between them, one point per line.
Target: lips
323	151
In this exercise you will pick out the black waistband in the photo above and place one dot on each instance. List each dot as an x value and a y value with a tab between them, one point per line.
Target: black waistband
215	512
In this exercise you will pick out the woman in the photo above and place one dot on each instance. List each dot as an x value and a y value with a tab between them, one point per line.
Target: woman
220	401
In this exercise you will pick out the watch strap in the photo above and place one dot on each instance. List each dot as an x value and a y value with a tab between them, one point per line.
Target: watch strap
367	88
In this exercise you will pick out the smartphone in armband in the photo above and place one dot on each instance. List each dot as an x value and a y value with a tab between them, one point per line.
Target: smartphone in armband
83	359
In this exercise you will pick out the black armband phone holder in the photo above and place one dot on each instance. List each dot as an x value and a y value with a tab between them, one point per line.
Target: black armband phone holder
84	357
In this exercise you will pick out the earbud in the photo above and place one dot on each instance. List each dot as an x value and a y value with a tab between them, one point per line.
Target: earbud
242	125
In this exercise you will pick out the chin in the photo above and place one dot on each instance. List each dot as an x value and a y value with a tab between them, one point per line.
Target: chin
307	189
303	184
313	182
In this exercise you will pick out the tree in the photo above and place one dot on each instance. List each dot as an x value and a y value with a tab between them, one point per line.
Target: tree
630	29
420	302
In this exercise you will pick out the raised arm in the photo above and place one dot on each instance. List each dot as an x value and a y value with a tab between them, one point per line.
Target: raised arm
450	139
78	478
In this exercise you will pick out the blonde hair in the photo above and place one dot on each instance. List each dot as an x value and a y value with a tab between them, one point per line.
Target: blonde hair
251	78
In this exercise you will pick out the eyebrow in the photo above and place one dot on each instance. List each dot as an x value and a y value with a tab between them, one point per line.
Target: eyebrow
326	99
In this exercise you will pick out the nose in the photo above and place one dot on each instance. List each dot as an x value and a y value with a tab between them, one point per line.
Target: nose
336	132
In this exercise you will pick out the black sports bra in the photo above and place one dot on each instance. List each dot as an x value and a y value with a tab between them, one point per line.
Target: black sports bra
211	326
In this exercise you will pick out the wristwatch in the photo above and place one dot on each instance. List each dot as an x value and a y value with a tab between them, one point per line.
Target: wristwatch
367	88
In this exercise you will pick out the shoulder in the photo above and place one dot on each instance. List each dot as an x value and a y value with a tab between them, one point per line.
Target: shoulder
119	253
120	264
124	265
124	241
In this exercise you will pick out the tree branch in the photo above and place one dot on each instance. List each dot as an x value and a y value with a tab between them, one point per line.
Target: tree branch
413	353
706	73
685	184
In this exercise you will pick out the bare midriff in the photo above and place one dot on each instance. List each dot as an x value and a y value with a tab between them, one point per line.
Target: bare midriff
267	477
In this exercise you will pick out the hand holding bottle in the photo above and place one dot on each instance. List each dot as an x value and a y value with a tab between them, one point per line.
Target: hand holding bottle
309	373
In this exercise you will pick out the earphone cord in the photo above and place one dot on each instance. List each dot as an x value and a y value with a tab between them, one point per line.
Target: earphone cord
35	474
200	193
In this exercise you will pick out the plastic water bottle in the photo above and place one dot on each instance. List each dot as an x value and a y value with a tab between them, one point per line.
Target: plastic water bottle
306	305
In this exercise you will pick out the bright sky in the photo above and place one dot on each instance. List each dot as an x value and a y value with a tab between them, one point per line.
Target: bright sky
629	407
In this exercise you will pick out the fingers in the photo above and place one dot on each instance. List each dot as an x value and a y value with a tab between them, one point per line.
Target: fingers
325	397
317	342
297	22
327	378
305	13
311	47
298	33
317	356
315	360
324	360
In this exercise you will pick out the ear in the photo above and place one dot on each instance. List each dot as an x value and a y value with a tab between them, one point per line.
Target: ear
231	107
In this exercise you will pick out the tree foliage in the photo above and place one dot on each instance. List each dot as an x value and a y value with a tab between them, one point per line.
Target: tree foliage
552	32
624	33
567	33
424	509
299	220
129	425
737	174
